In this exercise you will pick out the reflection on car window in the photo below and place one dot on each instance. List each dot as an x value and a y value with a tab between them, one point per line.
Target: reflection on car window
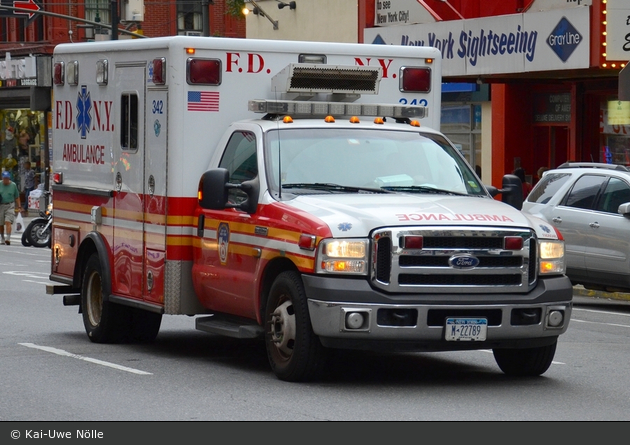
548	187
240	159
584	192
616	193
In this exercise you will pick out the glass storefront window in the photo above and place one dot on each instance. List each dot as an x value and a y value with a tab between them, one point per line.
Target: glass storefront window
461	123
22	139
614	139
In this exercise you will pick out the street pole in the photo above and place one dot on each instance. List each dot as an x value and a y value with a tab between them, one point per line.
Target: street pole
114	13
205	19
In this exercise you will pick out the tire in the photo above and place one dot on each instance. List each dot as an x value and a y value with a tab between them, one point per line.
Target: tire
294	351
104	322
25	239
35	234
529	362
145	325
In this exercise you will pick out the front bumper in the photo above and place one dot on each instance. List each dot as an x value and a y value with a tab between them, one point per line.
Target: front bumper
417	321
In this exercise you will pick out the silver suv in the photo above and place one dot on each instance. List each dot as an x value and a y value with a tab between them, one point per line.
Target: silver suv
589	203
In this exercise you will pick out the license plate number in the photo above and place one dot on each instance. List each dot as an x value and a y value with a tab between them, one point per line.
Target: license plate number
466	329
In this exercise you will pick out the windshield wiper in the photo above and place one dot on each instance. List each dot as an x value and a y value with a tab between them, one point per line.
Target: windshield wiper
421	189
319	186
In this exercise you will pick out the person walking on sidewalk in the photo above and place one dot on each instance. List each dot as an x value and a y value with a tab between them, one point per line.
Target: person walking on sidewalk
8	207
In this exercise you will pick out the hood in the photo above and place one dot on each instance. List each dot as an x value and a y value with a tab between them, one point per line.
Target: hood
356	215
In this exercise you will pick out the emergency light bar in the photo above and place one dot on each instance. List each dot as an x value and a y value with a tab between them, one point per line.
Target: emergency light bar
309	108
309	78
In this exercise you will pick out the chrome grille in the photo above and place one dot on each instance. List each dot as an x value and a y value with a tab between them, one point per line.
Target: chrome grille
396	269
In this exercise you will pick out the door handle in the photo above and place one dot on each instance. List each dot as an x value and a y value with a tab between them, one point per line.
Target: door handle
594	225
557	220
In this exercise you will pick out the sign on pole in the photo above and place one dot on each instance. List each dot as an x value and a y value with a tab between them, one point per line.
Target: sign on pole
31	5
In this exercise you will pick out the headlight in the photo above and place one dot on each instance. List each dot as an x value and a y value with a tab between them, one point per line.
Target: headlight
551	257
345	256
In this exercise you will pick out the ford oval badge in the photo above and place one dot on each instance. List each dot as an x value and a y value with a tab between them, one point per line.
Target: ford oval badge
463	261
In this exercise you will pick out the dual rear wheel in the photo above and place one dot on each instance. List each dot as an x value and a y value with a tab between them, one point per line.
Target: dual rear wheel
107	322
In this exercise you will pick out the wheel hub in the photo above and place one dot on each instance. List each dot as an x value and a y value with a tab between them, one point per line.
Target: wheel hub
283	328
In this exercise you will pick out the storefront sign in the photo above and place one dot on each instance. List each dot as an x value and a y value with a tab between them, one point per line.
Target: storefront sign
552	108
618	30
12	69
552	40
618	112
400	12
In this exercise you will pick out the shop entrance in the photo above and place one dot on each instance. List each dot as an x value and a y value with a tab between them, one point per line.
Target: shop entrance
551	146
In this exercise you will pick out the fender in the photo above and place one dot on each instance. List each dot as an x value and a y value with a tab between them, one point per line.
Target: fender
92	242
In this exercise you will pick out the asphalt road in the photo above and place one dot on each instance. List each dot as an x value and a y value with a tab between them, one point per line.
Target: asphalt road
52	372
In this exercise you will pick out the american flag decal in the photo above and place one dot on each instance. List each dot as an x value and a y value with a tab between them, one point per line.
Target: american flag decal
203	101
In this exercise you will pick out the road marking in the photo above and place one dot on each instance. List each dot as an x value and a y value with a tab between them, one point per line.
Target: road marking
87	359
598	322
601	312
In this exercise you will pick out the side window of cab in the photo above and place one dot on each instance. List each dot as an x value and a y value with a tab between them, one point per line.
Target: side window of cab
240	160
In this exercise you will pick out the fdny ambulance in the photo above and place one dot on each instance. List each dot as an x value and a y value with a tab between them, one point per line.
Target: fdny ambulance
297	192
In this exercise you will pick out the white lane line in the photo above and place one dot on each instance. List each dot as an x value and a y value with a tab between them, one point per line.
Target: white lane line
597	322
601	312
87	359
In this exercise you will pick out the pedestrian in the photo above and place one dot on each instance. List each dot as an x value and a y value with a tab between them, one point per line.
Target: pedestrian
527	186
9	206
29	183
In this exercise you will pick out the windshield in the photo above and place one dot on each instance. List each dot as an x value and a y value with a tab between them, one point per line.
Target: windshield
346	161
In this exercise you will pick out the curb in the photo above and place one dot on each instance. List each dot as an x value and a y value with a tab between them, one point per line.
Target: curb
581	292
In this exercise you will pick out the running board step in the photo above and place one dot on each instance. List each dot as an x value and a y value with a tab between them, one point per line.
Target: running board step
229	326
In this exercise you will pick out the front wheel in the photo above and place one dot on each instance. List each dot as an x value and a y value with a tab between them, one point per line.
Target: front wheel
294	351
38	232
525	362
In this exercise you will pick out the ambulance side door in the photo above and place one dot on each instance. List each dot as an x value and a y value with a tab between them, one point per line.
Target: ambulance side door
231	256
128	274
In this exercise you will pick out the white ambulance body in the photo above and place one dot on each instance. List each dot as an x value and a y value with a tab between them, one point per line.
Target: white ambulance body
246	181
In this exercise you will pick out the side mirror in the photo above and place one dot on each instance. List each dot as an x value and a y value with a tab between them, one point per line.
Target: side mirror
512	191
213	191
624	209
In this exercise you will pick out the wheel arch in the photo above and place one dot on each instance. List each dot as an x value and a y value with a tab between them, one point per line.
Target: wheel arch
94	243
273	269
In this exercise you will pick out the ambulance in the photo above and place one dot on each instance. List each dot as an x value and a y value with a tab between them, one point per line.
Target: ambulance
296	192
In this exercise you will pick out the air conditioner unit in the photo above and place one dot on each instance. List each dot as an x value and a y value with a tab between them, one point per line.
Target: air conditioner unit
193	33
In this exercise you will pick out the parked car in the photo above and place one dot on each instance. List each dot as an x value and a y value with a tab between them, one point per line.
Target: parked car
589	203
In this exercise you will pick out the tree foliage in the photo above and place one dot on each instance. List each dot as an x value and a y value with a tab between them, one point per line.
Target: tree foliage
234	7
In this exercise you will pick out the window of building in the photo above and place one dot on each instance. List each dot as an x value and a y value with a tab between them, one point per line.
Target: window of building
614	138
98	11
461	123
188	16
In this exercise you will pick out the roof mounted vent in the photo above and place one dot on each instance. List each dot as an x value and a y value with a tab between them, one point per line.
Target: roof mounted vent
335	79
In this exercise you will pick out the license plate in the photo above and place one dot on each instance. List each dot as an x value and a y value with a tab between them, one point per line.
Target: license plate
466	329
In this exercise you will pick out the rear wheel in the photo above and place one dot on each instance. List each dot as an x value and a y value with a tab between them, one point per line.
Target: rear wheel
145	325
294	351
525	362
104	322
